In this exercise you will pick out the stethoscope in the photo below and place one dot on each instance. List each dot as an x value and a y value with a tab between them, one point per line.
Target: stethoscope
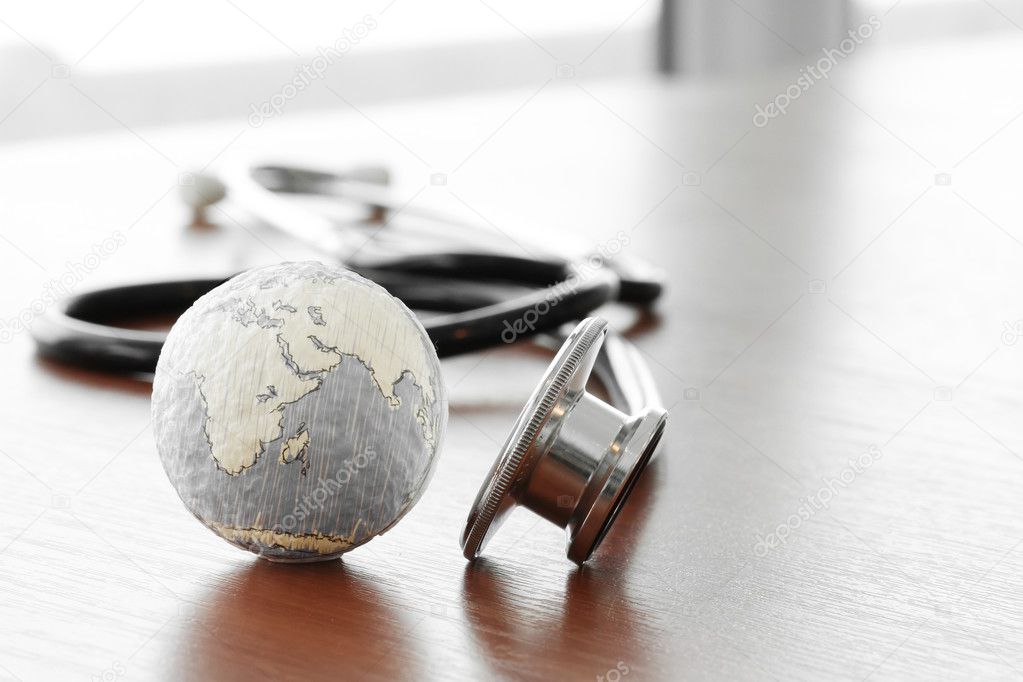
572	458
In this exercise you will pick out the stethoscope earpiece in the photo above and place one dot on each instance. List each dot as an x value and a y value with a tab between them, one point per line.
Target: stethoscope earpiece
571	457
199	192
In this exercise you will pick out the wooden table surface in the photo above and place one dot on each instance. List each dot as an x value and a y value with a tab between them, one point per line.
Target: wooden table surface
839	489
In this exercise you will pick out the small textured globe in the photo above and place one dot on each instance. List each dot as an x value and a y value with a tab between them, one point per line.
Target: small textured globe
298	410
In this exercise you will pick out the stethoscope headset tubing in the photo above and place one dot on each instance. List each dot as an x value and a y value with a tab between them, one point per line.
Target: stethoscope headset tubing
82	329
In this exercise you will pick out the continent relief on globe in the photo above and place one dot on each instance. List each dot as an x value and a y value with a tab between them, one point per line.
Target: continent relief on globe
267	342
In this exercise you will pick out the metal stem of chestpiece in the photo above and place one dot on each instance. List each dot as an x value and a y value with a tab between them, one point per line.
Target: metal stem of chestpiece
571	457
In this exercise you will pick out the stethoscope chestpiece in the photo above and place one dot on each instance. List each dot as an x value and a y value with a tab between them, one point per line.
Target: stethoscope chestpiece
571	457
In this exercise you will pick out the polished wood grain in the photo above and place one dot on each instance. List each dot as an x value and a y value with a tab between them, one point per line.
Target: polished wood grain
833	293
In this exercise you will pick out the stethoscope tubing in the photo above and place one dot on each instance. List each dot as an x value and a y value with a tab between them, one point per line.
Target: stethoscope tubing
263	192
82	331
481	299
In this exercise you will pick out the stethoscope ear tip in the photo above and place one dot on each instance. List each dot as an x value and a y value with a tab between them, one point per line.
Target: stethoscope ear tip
200	190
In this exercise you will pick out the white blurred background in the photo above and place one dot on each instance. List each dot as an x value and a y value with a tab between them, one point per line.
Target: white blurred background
150	62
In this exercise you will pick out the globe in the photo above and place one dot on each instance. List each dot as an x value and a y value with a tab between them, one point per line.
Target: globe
298	410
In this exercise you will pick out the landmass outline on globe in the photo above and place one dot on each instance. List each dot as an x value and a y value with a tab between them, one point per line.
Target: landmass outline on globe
233	388
236	432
